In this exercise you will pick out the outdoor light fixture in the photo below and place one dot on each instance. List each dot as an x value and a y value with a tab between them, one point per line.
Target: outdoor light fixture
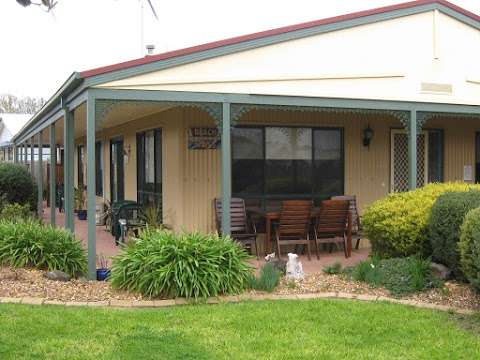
367	136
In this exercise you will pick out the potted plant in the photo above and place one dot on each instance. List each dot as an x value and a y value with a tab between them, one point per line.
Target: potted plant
80	206
152	217
103	272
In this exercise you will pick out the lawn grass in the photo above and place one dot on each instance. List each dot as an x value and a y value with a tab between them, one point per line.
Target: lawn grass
316	329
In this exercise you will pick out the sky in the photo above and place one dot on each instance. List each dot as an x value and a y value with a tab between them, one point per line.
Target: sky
39	50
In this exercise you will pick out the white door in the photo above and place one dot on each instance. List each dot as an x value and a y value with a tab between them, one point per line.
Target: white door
399	160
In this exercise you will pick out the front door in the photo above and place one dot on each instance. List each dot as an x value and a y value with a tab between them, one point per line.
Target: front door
399	160
117	185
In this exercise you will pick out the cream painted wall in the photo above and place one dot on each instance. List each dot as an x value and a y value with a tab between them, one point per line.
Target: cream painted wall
192	178
384	60
172	126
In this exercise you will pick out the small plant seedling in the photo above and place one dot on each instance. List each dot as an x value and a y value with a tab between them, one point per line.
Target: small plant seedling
334	269
292	284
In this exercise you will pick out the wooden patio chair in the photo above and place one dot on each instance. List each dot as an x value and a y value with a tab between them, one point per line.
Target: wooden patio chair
356	223
242	230
334	225
294	223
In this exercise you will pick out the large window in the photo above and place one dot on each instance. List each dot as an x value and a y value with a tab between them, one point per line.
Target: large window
287	162
149	167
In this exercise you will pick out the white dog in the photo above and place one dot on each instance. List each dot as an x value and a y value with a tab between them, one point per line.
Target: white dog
294	267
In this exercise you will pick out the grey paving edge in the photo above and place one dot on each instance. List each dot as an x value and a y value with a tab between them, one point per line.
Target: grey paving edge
136	304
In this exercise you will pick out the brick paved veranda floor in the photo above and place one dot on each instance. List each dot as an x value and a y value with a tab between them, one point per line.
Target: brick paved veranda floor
106	246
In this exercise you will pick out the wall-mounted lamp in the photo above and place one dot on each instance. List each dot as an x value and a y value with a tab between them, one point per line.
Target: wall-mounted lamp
367	136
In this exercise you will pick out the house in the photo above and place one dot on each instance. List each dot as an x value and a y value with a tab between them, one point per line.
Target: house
10	124
367	103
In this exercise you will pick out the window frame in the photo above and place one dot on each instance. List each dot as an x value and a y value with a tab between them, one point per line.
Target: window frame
263	197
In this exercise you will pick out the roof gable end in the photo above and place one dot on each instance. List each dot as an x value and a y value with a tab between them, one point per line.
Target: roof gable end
270	37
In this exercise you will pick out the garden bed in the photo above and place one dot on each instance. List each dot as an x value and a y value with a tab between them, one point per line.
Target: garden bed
453	294
32	283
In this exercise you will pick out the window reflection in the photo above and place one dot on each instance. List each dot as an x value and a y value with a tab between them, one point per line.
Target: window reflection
287	162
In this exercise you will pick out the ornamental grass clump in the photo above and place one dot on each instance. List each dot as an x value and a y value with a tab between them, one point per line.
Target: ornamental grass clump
191	265
31	244
397	225
268	280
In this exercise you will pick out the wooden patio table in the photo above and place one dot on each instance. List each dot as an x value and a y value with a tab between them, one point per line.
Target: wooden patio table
271	215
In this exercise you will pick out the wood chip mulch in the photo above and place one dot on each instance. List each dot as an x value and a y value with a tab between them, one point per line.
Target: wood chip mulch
32	283
453	294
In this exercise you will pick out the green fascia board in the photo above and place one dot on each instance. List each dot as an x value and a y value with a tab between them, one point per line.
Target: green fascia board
276	100
458	16
344	103
56	113
42	123
72	82
76	98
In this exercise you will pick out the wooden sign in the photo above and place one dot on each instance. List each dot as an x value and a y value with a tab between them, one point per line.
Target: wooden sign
200	138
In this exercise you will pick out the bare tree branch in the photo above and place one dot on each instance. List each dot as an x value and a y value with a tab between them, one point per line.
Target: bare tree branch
46	4
20	105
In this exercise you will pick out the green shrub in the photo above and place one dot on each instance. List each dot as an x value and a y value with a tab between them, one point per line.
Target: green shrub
469	247
31	244
401	276
190	265
15	211
367	271
333	269
3	201
447	216
268	280
17	185
398	224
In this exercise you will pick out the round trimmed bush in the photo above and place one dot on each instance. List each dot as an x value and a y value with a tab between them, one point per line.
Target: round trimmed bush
17	185
446	218
469	247
191	265
397	225
31	244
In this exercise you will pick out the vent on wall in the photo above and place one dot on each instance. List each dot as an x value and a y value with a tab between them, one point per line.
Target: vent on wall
436	88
